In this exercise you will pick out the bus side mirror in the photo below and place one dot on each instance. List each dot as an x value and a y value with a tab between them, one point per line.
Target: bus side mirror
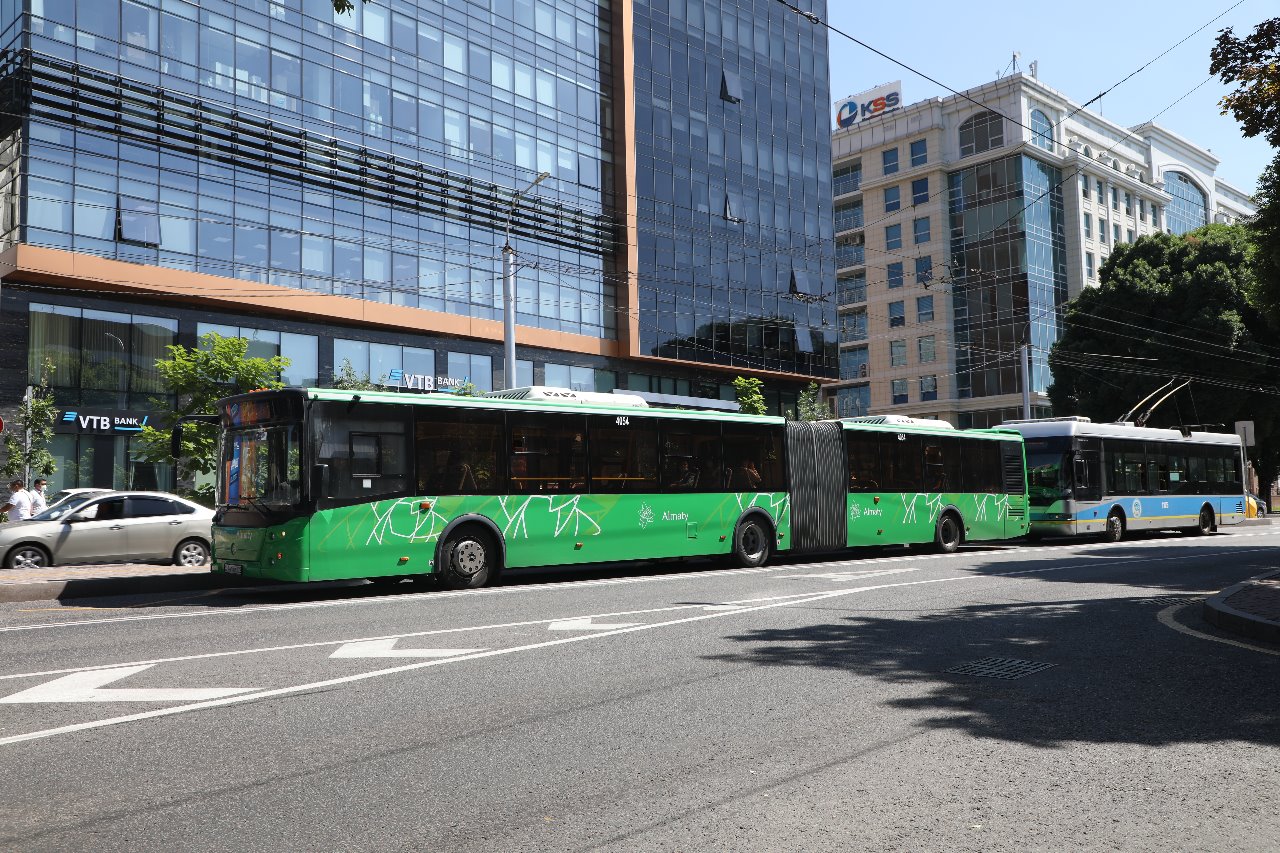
175	442
319	481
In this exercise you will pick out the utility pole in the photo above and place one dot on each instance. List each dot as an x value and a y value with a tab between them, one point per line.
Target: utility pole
1025	350
509	289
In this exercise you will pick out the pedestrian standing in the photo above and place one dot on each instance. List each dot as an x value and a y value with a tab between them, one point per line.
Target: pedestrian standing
39	501
20	506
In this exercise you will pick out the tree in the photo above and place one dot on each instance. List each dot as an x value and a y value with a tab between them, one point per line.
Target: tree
1173	306
344	7
748	390
347	379
26	441
1253	64
809	404
198	378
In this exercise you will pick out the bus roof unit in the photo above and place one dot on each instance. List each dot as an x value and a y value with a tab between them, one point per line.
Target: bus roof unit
566	395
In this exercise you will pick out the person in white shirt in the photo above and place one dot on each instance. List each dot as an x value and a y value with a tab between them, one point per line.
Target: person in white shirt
38	500
20	506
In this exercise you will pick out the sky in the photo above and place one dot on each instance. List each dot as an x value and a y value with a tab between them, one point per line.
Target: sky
1082	49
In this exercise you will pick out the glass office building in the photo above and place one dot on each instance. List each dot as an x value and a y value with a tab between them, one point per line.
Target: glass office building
338	187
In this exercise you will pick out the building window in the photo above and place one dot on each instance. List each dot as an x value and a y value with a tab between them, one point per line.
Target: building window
730	87
928	388
924	270
1088	264
1101	194
919	153
848	216
1084	185
1102	231
893	275
853	326
850	251
476	369
137	222
897	353
892	199
1115	232
384	364
851	288
301	350
569	376
889	157
921	230
1142	210
1155	217
1128	204
1041	130
920	191
1129	234
1189	208
1115	199
981	132
893	236
897	314
854	363
924	309
898	388
853	402
927	349
1088	227
847	179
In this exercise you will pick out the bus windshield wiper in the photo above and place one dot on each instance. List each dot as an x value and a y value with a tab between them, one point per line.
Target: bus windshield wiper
261	506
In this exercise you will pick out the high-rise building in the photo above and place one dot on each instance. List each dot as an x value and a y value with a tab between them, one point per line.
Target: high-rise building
337	188
964	224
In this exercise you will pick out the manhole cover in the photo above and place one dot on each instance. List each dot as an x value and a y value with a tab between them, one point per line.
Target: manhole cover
1007	668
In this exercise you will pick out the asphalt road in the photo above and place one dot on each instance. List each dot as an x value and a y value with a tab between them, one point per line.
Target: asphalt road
690	707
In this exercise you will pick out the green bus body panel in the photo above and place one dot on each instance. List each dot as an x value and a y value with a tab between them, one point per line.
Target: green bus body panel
399	537
902	519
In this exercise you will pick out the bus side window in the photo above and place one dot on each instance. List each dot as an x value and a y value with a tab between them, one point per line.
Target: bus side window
691	459
864	460
548	453
624	458
753	458
366	450
459	452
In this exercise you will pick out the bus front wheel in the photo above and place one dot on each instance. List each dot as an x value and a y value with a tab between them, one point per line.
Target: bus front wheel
468	559
751	543
1114	531
1205	525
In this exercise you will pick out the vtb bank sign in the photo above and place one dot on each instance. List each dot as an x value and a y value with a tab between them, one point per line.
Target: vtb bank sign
871	104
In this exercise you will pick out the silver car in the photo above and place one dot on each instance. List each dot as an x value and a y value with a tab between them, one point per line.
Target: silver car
111	527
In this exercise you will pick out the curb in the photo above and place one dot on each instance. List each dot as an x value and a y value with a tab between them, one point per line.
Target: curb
1217	612
61	590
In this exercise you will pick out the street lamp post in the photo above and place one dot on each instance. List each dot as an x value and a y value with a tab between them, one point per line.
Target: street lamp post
509	287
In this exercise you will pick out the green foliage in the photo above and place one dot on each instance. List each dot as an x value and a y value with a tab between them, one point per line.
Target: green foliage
749	392
1172	306
35	418
1252	63
343	7
219	367
467	389
809	404
1264	228
347	379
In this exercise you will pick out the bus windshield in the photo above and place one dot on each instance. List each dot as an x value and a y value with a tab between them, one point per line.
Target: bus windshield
261	467
1048	469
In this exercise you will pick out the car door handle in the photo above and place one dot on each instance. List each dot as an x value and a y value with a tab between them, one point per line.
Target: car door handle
174	522
116	527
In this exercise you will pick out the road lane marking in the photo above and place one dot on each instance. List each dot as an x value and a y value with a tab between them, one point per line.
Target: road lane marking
586	624
387	649
1066	548
1166	619
364	676
88	687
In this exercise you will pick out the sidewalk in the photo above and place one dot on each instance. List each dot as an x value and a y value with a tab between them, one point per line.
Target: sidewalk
1251	608
66	582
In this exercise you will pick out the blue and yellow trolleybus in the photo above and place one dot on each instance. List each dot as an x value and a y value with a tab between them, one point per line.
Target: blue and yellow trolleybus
1108	479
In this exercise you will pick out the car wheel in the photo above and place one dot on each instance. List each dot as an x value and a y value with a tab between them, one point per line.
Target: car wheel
27	557
191	553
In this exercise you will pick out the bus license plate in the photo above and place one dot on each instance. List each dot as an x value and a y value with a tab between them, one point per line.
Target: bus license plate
233	568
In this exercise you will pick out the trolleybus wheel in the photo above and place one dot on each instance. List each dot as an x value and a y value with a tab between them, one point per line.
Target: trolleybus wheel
947	539
1205	525
468	559
751	544
1114	531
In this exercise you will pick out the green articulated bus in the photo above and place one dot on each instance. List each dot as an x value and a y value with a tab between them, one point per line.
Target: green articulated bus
321	484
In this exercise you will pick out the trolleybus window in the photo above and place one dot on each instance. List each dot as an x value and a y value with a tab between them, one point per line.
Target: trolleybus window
548	453
366	451
460	452
623	453
753	459
691	458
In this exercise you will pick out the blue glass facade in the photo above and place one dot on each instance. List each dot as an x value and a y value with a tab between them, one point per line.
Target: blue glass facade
1009	268
1188	209
373	155
734	195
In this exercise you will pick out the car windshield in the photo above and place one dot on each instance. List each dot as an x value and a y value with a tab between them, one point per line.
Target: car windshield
261	467
65	507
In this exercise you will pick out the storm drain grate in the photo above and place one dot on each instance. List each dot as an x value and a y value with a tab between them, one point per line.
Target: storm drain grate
1007	668
1166	600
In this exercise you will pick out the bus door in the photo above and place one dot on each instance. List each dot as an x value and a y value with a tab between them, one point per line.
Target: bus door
819	485
1086	471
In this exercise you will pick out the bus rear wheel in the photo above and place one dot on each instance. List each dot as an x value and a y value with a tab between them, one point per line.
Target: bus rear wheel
1114	531
468	559
751	544
947	537
1204	526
